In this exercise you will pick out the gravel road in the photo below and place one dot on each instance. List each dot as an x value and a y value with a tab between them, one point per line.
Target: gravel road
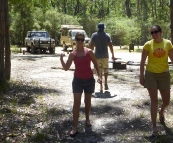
120	114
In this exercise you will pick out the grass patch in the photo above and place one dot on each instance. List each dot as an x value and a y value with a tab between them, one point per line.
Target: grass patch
40	97
5	111
3	87
15	49
39	137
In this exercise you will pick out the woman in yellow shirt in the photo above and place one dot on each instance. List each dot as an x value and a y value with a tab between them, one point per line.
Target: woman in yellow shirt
156	76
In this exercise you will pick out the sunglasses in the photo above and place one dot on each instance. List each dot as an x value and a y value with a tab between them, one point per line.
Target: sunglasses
78	39
157	31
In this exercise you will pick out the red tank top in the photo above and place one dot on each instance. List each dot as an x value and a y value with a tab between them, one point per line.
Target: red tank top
82	66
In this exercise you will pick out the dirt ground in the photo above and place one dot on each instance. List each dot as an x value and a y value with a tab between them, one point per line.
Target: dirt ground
119	115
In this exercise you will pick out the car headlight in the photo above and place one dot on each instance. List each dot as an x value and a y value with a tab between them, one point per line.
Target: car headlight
52	42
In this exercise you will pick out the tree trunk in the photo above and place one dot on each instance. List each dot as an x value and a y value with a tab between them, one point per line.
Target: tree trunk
65	10
2	32
138	9
7	45
128	10
171	18
155	8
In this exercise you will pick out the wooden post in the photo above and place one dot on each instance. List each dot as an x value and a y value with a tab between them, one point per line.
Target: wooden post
38	51
23	52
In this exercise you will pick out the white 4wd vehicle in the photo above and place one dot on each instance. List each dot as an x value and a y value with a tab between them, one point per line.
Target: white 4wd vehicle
39	40
68	33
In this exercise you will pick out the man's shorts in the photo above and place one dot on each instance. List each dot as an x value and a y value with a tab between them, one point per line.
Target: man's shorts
103	64
86	85
157	80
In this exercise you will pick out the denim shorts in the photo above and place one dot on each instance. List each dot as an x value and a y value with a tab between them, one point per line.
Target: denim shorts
157	80
86	85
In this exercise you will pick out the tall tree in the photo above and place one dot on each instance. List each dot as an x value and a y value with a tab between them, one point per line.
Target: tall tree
7	43
2	37
128	9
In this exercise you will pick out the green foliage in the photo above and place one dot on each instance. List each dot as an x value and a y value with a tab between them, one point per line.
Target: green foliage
49	15
145	28
15	49
21	21
123	31
39	137
89	24
53	21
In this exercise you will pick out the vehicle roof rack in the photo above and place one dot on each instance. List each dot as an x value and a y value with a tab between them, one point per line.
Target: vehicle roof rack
71	27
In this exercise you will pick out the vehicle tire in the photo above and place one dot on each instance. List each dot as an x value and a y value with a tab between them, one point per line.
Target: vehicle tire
65	47
44	50
52	50
33	49
27	48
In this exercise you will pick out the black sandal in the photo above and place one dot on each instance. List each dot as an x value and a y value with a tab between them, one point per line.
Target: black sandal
106	86
161	118
73	133
88	124
155	132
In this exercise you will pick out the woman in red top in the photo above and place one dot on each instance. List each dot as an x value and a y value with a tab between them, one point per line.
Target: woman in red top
83	78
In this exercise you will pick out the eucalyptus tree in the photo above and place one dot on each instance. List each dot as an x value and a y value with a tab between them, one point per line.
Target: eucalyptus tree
5	63
7	43
128	9
2	44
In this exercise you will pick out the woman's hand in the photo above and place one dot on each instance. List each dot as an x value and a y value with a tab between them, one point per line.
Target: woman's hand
142	80
99	80
62	55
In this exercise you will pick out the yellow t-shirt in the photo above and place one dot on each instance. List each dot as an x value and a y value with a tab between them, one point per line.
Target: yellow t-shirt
158	55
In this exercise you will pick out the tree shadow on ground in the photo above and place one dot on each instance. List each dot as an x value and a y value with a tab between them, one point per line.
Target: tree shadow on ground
116	122
123	125
24	94
160	139
34	57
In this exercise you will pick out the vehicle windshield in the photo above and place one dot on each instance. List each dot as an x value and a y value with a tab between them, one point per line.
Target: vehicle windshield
40	34
74	34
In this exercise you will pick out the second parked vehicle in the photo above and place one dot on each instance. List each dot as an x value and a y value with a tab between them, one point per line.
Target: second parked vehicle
68	33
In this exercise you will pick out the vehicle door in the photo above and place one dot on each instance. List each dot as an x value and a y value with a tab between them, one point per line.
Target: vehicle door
64	37
28	38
